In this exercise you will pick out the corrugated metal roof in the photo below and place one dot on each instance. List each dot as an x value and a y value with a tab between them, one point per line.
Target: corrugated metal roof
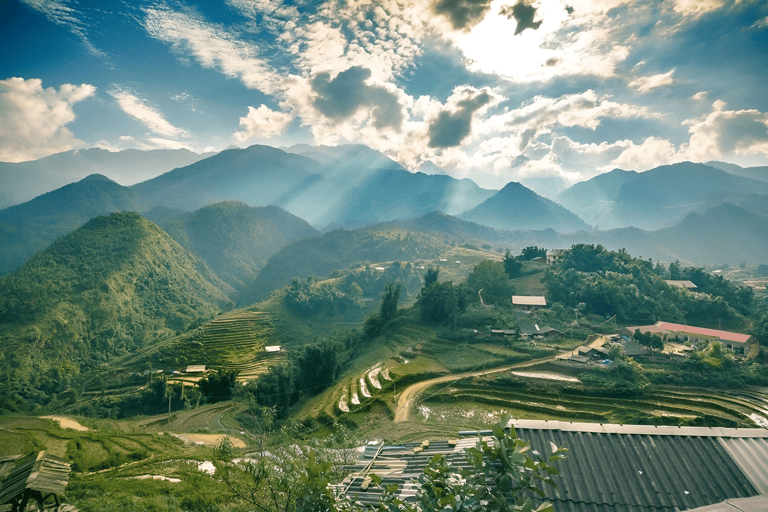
614	468
751	456
627	472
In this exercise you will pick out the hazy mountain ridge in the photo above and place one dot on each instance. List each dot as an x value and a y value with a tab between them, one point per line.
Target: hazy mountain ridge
518	207
657	198
20	182
755	173
258	176
29	227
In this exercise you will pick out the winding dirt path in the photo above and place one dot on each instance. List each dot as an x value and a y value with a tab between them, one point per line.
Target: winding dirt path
411	394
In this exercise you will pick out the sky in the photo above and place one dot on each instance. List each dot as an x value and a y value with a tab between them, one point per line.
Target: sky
545	92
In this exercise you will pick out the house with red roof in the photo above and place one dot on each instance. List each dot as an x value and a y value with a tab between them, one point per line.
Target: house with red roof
739	343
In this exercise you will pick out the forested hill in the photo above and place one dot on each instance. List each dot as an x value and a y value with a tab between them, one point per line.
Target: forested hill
235	239
30	227
596	280
109	287
339	249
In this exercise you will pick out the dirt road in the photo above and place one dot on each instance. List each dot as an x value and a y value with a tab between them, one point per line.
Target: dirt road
411	394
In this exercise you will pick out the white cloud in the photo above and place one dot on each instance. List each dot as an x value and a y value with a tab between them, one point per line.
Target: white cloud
212	46
700	95
33	120
696	7
564	45
149	116
651	153
585	110
648	83
57	11
727	132
262	122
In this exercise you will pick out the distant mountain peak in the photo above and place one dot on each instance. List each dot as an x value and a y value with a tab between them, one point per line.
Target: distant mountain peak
517	207
96	177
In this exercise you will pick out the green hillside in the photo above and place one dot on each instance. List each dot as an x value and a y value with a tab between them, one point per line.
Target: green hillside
105	290
235	239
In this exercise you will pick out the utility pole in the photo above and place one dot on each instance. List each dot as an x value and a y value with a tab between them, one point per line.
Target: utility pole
169	411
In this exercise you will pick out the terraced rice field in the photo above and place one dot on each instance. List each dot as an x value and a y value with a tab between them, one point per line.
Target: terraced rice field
670	406
358	390
235	342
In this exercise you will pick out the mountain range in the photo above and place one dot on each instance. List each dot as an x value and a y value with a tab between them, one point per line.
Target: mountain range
20	182
657	198
285	196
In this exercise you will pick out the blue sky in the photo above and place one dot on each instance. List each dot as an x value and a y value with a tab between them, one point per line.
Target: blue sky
546	92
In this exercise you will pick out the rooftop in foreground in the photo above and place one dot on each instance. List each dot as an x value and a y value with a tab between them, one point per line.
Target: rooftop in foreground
618	468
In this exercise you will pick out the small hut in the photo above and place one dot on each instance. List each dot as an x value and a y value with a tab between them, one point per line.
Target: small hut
41	478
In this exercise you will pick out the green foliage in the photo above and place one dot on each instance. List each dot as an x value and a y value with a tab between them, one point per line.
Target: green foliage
307	297
431	276
389	300
375	324
105	290
612	283
219	385
531	252
317	366
649	340
512	266
623	379
440	302
760	329
490	277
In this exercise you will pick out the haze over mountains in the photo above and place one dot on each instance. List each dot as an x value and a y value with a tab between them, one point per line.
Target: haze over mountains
20	182
721	217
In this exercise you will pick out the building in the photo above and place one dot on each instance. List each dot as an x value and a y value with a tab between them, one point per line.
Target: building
195	368
688	285
529	302
544	331
555	256
739	343
273	348
609	468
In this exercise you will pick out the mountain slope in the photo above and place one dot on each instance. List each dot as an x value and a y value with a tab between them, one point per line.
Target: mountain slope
29	227
517	207
258	176
23	181
756	173
726	233
235	239
656	198
349	186
106	289
593	200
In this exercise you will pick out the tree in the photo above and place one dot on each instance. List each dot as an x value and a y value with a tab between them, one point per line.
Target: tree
490	277
439	302
431	276
389	300
218	386
532	252
512	266
674	270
